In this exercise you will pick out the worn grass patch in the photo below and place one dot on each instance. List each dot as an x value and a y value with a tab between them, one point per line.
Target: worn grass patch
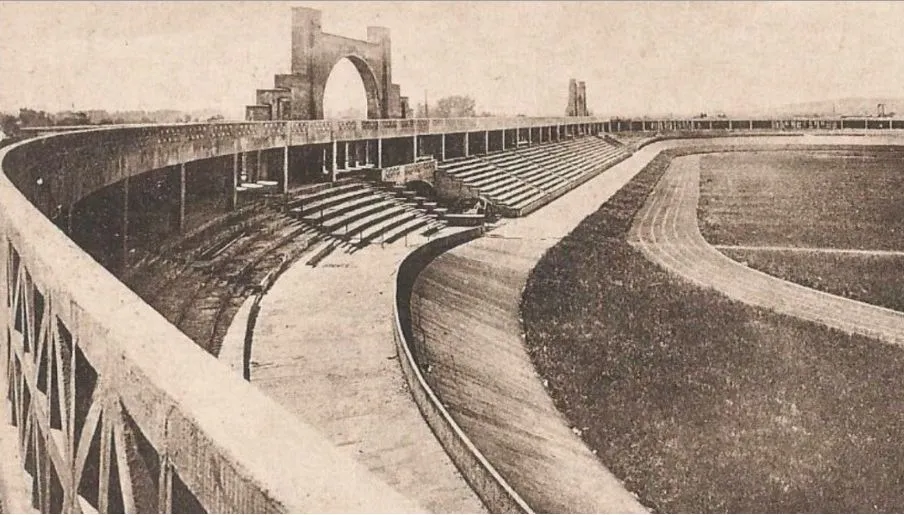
703	404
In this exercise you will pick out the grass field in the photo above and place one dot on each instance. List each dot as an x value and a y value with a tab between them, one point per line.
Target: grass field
841	199
847	199
703	404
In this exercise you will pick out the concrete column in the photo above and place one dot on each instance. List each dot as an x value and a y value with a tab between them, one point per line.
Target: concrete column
348	157
730	126
124	226
414	148
467	152
751	124
180	219
503	139
245	166
486	142
257	166
443	152
333	169
285	170
379	152
234	182
530	136
5	315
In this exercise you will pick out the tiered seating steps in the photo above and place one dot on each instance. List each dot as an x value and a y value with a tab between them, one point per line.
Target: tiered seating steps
520	180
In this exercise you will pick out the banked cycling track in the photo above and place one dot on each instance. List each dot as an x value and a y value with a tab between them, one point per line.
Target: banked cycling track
667	233
475	344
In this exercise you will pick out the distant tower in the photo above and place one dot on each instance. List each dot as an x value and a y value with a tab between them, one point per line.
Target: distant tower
577	99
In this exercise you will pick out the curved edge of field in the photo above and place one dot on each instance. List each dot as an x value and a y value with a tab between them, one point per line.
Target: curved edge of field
701	403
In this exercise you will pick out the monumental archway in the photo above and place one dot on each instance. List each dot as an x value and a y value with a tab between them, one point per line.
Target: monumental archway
342	71
299	95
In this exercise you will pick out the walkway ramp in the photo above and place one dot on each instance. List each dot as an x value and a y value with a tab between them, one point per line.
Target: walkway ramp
324	348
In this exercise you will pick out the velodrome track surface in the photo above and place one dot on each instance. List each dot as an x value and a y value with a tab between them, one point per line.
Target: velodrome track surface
465	311
667	233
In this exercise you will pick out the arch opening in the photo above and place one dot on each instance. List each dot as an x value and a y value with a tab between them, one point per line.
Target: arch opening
350	91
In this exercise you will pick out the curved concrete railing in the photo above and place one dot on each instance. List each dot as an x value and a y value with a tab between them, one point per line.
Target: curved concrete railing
116	406
490	486
119	410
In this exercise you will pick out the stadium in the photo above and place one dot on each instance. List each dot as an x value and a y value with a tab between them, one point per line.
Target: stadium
395	313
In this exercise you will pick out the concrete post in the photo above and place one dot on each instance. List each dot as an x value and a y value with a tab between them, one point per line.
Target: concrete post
5	315
180	221
379	152
245	166
285	169
414	148
234	181
467	153
124	227
751	124
486	142
443	151
730	126
333	169
257	167
348	157
530	136
503	139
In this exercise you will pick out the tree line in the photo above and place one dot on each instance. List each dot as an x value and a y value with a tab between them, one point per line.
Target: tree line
11	123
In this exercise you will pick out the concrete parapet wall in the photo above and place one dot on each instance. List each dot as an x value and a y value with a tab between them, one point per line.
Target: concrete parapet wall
120	410
401	174
492	489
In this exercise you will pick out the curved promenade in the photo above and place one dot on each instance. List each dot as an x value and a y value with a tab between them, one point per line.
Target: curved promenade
324	349
666	231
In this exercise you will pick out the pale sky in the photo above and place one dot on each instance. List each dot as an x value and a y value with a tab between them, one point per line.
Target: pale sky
511	57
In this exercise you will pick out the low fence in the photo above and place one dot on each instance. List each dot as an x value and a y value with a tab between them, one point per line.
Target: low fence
492	488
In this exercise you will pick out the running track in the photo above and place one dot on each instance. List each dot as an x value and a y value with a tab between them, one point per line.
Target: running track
667	233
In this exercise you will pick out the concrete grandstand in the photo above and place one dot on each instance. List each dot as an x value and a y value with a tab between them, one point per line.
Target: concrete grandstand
290	314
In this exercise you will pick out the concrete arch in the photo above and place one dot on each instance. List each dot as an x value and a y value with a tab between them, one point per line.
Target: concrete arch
368	78
299	95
